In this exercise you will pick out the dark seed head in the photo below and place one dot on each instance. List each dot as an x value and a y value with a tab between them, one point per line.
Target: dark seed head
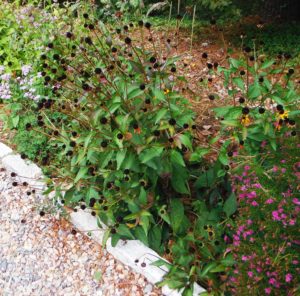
204	55
152	60
88	40
247	49
241	100
172	121
245	110
261	110
42	213
103	120
120	136
127	40
98	71
292	122
156	133
104	144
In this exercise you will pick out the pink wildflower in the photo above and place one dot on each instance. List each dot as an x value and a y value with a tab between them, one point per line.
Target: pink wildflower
272	281
250	274
275	215
269	201
288	277
268	291
296	201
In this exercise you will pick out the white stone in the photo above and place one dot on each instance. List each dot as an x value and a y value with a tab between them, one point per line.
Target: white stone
4	150
148	289
27	172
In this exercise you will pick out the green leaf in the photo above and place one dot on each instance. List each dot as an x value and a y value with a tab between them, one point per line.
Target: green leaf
124	231
154	238
105	237
69	195
176	213
114	239
230	205
254	91
235	63
98	275
223	158
230	122
239	82
197	155
134	91
15	120
81	173
143	196
161	262
218	268
120	157
179	179
185	140
150	153
176	157
267	64
160	114
140	235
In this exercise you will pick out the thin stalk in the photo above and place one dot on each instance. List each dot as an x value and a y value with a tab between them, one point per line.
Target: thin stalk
192	34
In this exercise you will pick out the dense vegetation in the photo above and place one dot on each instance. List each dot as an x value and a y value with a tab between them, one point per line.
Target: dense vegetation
98	101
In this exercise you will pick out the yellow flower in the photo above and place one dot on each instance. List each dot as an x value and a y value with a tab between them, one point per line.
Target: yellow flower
283	116
245	120
166	91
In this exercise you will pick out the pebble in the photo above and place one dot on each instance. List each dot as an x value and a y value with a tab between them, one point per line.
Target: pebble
41	257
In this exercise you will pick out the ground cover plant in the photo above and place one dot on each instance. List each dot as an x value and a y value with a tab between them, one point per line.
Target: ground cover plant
113	131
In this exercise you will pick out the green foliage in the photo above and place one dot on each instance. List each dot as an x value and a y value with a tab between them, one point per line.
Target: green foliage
105	118
264	108
271	38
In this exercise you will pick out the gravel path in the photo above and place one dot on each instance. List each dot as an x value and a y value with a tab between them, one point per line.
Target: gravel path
42	255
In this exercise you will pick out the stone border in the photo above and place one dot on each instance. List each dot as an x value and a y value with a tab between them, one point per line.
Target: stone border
130	252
